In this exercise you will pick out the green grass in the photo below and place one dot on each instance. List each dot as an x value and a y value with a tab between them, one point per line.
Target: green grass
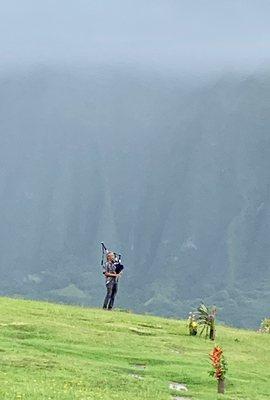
58	352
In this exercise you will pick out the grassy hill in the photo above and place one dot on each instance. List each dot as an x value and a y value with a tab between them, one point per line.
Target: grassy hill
58	352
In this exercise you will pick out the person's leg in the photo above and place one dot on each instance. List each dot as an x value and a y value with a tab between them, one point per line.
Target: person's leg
108	296
114	291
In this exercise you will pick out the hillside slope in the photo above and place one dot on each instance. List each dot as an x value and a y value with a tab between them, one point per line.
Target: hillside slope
55	352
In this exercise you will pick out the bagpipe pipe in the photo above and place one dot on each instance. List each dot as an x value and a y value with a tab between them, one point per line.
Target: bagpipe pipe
117	259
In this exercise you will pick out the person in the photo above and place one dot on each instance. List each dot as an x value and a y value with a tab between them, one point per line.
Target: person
111	278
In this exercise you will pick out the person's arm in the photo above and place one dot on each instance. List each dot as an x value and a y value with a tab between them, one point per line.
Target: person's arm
110	274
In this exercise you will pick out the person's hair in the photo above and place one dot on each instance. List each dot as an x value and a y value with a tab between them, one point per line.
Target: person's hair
110	254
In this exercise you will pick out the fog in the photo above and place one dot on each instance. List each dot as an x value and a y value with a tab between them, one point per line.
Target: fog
143	124
199	35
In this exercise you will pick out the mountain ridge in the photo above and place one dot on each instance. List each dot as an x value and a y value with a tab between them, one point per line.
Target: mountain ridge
173	176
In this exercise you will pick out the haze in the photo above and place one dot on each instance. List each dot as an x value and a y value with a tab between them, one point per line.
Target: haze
178	35
143	124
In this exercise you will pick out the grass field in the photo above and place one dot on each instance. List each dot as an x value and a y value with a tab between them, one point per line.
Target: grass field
50	351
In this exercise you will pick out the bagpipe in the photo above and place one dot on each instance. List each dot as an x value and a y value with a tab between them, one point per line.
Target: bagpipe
117	259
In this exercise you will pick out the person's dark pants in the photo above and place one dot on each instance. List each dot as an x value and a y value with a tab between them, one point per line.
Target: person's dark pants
110	296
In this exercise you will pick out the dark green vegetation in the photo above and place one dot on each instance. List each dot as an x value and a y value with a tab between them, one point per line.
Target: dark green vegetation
56	352
170	173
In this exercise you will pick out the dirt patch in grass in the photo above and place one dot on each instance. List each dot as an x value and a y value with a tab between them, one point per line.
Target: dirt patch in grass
21	330
141	367
178	386
28	362
152	326
142	332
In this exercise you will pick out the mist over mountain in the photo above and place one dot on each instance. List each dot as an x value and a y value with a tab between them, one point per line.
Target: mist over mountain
172	174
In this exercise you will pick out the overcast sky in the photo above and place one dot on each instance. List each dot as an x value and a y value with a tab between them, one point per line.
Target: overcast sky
178	34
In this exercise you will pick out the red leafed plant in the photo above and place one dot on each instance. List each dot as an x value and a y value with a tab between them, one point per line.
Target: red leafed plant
219	369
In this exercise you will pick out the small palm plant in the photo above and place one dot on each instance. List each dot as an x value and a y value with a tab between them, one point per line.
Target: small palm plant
206	318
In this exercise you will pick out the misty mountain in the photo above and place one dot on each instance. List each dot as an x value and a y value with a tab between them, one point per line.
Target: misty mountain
172	174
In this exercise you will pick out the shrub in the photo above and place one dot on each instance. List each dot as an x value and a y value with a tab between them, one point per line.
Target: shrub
265	325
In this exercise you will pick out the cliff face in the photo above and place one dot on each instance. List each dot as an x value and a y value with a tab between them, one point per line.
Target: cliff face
176	178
